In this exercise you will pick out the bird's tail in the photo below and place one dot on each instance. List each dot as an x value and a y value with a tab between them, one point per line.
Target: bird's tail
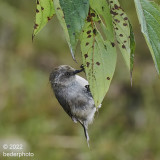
85	127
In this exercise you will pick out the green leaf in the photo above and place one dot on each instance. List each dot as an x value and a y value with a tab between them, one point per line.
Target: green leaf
123	32
75	13
99	59
44	12
149	17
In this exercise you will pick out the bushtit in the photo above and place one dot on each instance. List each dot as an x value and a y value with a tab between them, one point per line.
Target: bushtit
72	92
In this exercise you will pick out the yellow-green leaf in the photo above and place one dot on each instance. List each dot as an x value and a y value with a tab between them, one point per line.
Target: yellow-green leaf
44	12
99	59
123	32
102	9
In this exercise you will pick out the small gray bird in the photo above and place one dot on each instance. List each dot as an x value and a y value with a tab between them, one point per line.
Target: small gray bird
73	94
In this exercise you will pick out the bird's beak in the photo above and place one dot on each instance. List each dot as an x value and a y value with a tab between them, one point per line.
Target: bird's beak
78	71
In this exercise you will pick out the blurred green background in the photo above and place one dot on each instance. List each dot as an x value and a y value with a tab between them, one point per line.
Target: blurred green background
127	125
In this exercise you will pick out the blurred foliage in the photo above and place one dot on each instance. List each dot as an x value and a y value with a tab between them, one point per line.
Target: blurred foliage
127	125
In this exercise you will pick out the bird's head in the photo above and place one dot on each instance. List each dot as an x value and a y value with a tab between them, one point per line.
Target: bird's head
63	74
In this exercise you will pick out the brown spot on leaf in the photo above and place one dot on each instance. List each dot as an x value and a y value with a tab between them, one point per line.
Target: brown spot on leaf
88	19
121	35
125	24
108	78
48	18
125	41
42	8
88	64
115	6
37	11
35	26
37	1
89	36
87	44
123	46
88	32
125	18
121	14
93	14
114	13
113	44
111	1
94	31
86	55
58	8
116	20
98	63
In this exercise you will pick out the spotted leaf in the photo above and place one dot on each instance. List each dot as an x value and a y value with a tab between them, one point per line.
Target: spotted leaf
103	10
99	59
44	12
123	32
75	13
149	17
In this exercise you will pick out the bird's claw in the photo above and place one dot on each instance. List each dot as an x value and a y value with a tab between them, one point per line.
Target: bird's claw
87	87
82	66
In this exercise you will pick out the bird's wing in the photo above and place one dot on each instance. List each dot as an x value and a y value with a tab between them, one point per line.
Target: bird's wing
64	103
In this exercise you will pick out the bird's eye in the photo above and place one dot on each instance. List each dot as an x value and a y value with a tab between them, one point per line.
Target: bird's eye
67	74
